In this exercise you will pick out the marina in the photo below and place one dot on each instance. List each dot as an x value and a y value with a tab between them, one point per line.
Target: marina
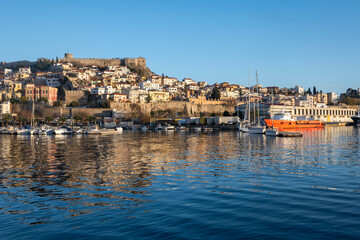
161	182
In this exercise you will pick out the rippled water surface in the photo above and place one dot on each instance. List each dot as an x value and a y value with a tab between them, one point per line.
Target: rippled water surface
224	185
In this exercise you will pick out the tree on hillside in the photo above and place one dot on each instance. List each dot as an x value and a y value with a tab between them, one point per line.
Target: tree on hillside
105	104
74	104
314	90
43	64
23	99
308	91
215	94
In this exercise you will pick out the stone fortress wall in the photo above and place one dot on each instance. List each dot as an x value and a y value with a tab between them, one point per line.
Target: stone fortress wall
104	62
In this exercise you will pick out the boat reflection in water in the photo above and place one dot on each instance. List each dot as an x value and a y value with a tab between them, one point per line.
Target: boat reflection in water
156	184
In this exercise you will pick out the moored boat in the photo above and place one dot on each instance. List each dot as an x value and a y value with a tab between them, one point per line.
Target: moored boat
356	119
284	120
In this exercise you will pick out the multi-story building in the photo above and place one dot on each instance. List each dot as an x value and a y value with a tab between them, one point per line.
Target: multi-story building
33	92
149	85
158	96
320	98
332	98
299	90
326	114
5	108
52	82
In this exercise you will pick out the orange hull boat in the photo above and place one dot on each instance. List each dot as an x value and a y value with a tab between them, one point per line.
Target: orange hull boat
286	124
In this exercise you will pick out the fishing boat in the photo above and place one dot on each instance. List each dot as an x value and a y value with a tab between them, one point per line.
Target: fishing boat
284	120
356	119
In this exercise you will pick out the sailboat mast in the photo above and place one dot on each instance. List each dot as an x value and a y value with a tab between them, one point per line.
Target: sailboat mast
33	113
249	116
258	100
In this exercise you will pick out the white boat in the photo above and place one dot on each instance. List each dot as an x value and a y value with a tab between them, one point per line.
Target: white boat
169	128
257	129
144	128
23	132
60	131
243	127
181	128
119	129
158	128
197	129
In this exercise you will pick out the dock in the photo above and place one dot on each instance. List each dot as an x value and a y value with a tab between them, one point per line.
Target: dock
289	134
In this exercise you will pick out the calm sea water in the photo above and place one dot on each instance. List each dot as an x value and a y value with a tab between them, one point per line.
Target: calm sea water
224	185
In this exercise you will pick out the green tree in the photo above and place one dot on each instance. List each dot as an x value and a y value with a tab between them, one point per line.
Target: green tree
314	90
226	113
215	94
48	119
105	104
148	98
62	119
91	119
43	64
6	118
43	100
57	104
74	104
21	120
308	91
14	100
81	117
23	99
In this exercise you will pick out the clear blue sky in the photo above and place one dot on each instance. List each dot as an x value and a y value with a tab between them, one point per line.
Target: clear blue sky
290	42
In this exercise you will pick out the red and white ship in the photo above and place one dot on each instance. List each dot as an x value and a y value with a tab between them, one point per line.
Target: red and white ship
284	120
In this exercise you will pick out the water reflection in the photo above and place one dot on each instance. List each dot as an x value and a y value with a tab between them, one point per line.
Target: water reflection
48	179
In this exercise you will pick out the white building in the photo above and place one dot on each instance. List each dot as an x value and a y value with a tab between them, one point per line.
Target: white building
52	82
170	89
299	90
188	81
8	71
147	85
25	70
98	91
5	108
332	98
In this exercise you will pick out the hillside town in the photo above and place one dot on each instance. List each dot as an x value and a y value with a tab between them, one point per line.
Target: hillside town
73	83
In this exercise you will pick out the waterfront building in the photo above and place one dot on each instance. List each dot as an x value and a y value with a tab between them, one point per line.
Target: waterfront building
33	92
326	114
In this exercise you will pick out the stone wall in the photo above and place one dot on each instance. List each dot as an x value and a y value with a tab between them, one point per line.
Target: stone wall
184	109
103	62
143	111
42	111
75	95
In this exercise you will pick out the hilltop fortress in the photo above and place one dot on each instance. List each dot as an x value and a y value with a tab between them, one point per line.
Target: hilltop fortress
104	62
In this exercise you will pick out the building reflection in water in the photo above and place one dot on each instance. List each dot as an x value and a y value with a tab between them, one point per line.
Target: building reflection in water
122	172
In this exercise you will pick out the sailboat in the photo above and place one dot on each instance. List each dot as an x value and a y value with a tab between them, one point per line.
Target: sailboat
244	125
257	128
